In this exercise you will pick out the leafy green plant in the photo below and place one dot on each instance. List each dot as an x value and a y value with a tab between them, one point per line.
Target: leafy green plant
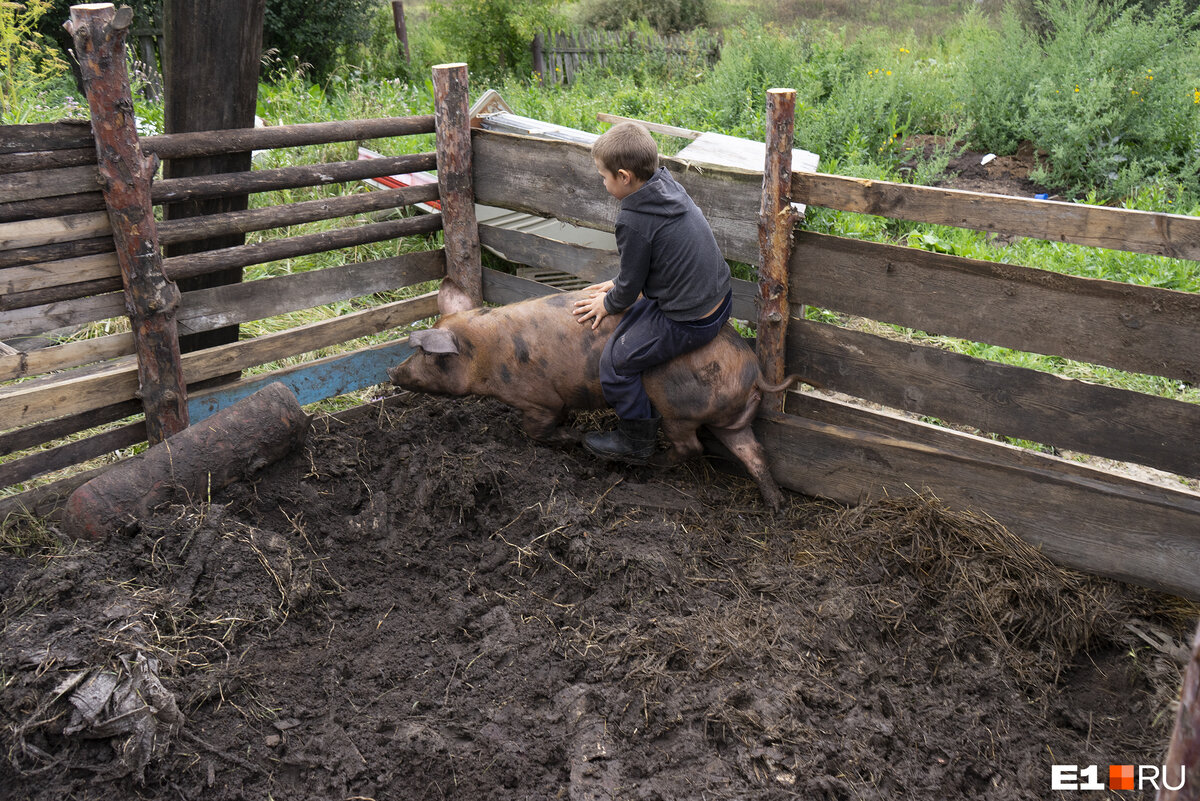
494	36
29	64
664	16
316	31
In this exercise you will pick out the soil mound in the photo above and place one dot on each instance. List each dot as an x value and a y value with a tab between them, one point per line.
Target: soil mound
423	603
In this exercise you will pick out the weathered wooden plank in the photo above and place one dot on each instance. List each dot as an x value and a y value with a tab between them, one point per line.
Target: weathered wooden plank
558	179
593	264
32	320
503	288
1135	328
30	437
59	294
37	184
312	381
71	453
53	230
45	502
206	309
65	356
64	250
1174	235
192	228
238	140
62	135
47	160
57	273
1081	517
179	267
22	405
999	399
174	190
51	207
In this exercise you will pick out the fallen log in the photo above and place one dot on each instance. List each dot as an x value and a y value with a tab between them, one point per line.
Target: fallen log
189	466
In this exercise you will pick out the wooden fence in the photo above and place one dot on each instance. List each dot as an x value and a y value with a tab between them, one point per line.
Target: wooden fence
557	57
60	268
1082	516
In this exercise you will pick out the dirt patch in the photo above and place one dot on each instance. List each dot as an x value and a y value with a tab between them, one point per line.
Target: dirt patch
423	603
974	171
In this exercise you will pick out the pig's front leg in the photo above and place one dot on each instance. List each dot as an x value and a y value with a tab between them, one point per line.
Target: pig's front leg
545	425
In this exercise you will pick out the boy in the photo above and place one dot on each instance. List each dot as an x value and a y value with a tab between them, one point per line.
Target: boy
670	258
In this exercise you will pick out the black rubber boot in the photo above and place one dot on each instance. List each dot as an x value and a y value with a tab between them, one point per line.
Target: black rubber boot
633	441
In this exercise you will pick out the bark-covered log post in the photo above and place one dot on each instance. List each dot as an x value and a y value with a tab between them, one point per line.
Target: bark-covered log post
460	228
401	28
125	174
776	222
1182	765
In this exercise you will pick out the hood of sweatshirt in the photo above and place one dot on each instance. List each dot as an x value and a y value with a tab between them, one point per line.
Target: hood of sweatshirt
661	196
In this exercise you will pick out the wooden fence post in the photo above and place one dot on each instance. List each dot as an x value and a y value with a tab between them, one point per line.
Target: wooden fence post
125	173
537	48
776	221
401	27
459	227
1183	753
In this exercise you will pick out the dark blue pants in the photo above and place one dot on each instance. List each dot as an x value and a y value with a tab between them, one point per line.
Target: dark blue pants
646	337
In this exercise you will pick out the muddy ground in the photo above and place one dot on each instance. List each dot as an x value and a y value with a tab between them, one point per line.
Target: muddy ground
423	603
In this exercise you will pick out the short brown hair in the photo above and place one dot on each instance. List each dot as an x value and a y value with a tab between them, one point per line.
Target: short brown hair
627	146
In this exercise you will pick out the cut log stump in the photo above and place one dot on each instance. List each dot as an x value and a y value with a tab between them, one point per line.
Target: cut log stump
191	465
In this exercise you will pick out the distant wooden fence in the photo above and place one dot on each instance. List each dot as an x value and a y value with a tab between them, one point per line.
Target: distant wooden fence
1082	516
59	270
557	57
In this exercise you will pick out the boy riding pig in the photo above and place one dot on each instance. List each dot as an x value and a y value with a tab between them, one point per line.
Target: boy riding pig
674	286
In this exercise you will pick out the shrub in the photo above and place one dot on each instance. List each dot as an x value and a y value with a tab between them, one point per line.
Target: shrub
664	16
493	36
315	31
29	64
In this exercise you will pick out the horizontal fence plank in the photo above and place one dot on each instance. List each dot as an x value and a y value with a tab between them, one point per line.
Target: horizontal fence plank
32	436
1128	327
206	309
174	190
194	264
31	320
188	229
47	159
503	288
593	264
240	140
59	273
65	356
23	405
1081	517
53	230
1174	235
312	381
20	257
62	135
999	399
51	207
37	184
558	179
71	453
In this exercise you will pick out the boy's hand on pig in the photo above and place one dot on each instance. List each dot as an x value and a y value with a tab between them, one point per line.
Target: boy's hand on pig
591	307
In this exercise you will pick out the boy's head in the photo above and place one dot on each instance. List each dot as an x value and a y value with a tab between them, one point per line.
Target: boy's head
629	156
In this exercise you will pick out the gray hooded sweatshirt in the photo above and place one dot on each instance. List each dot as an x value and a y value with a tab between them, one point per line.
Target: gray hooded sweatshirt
668	253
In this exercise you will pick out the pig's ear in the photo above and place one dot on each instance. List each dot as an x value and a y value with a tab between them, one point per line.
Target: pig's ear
434	340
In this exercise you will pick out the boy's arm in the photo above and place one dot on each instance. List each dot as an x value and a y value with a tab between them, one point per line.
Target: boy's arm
635	265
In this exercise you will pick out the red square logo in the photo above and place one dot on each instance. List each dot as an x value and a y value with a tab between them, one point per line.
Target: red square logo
1120	777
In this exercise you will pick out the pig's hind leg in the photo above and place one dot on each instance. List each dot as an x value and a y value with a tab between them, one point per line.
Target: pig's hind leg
749	451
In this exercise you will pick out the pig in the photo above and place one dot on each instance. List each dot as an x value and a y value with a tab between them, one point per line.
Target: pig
535	357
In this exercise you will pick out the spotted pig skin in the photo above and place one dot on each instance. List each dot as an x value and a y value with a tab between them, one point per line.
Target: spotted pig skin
536	357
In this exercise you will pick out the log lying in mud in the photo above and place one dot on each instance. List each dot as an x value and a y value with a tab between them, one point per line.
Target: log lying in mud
190	465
